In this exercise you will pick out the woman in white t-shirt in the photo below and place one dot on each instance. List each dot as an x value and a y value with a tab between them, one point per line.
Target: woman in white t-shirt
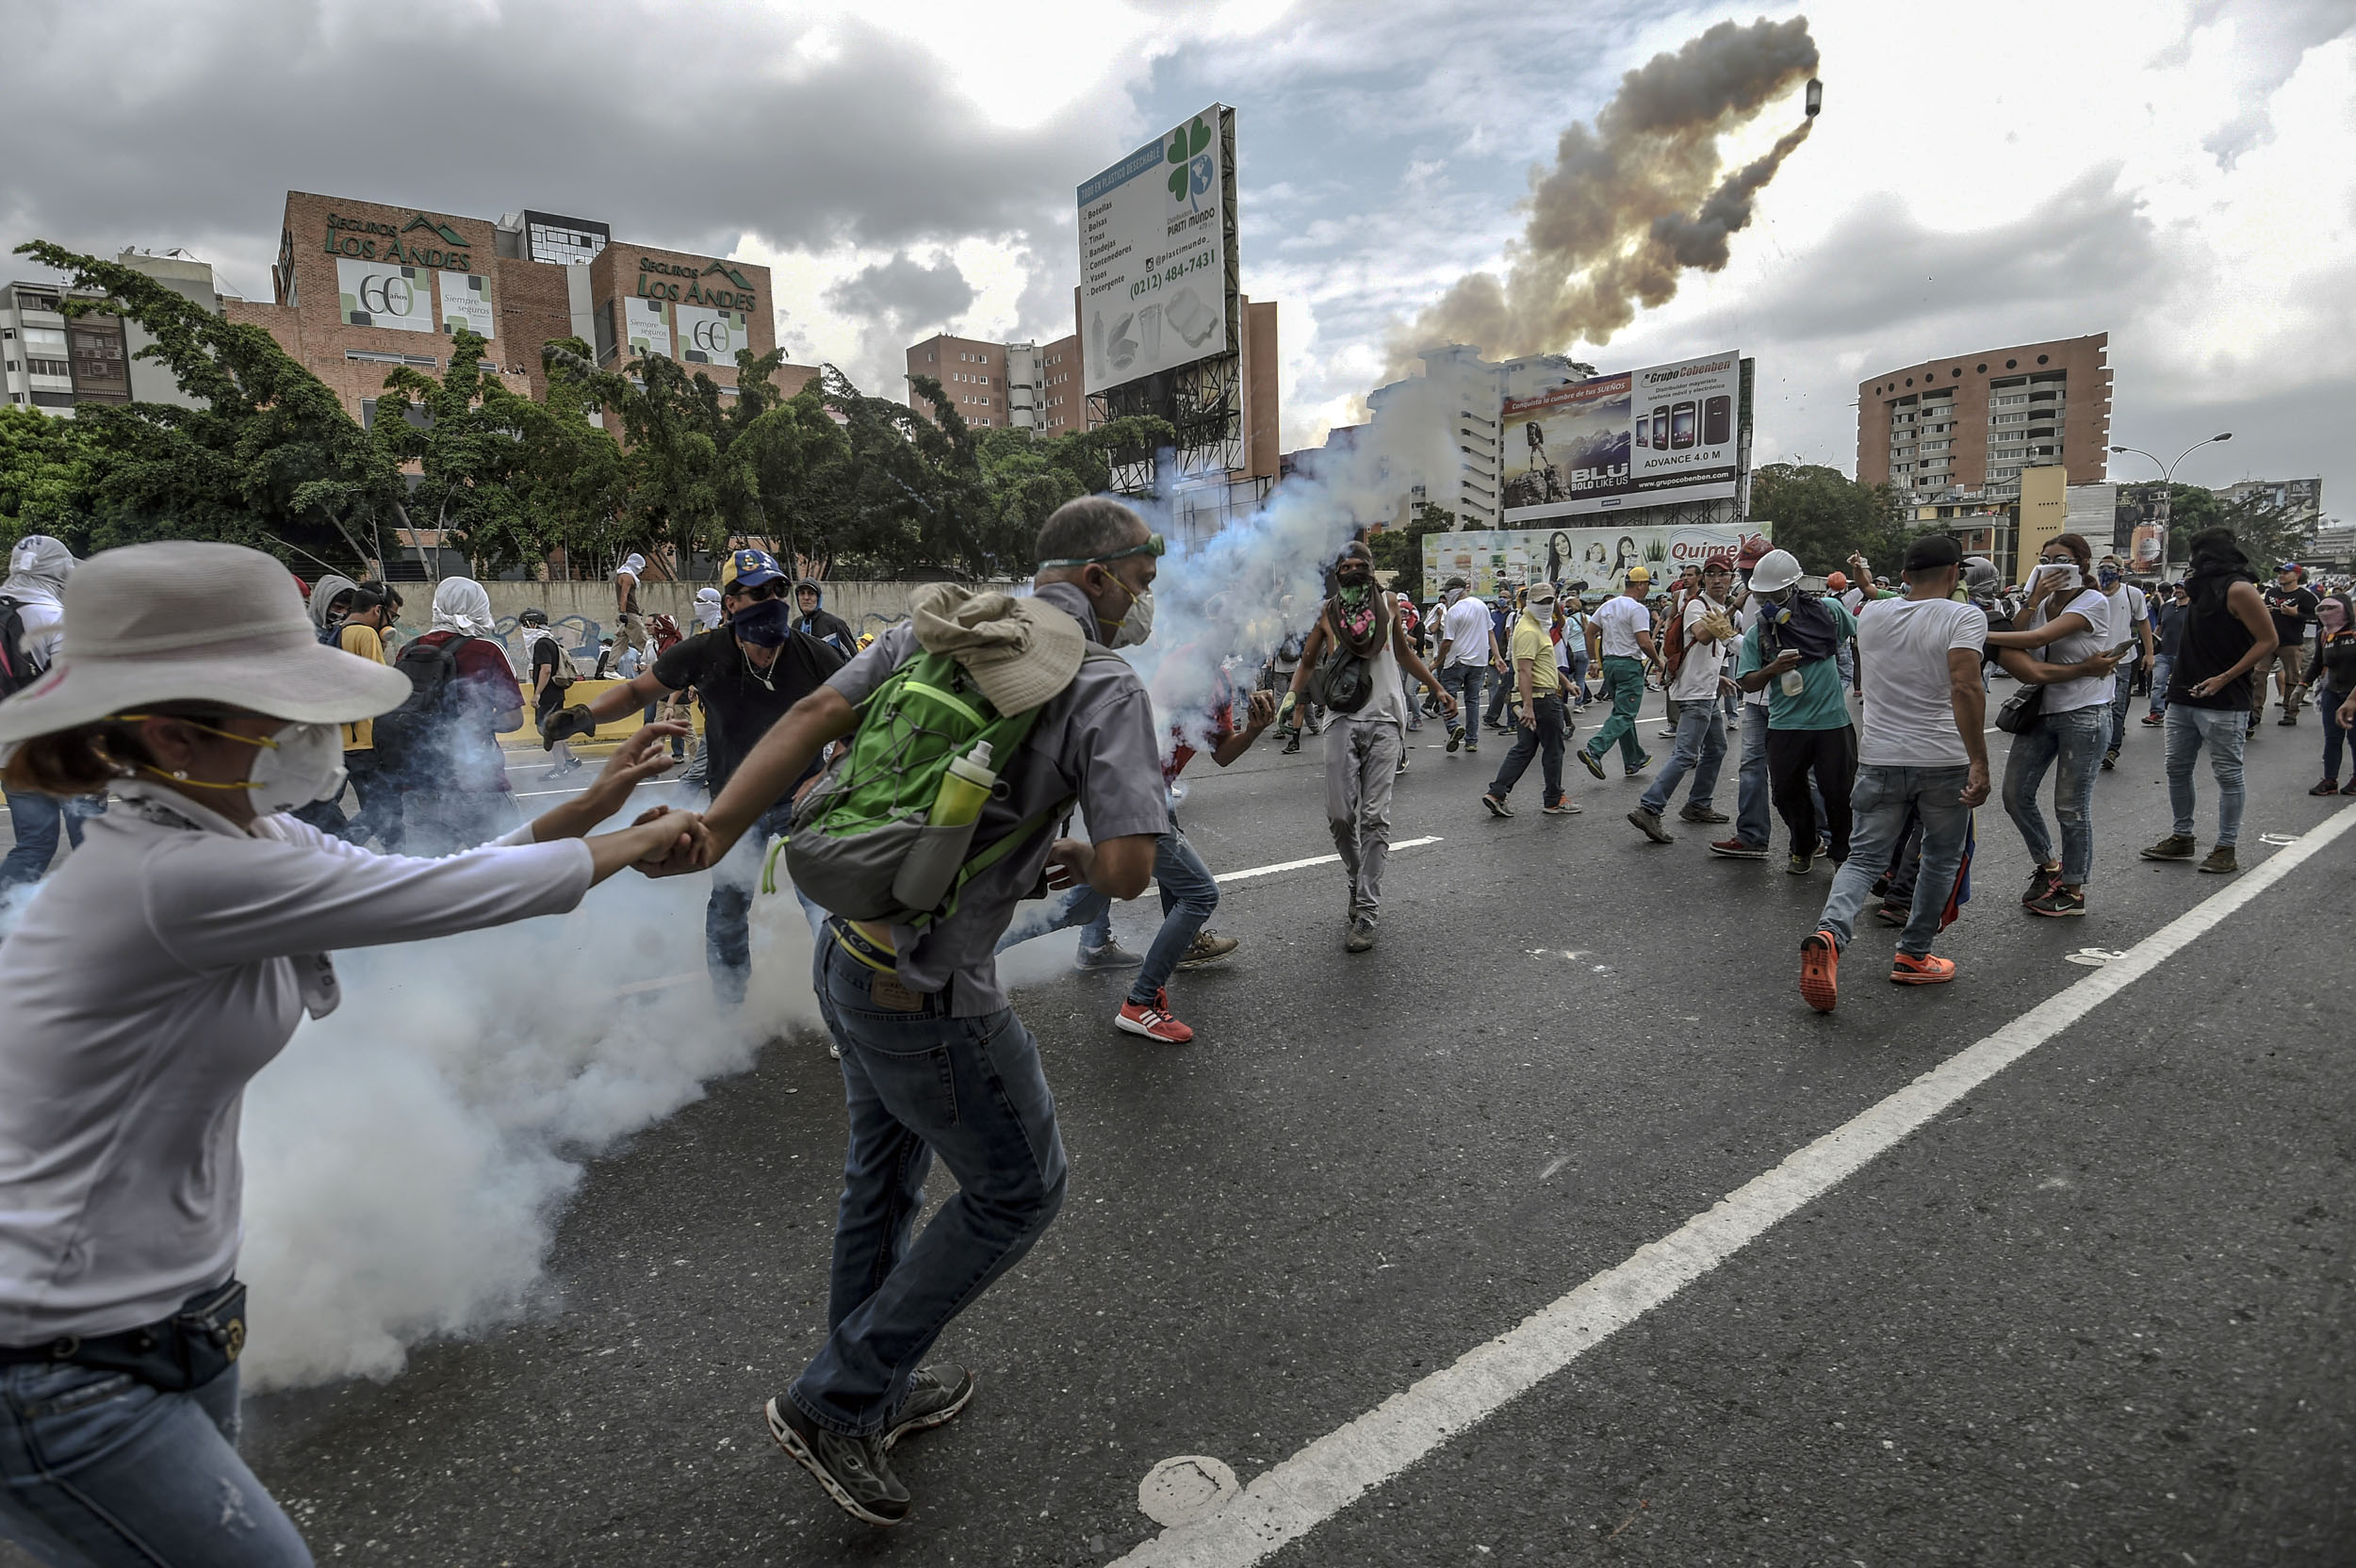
2068	617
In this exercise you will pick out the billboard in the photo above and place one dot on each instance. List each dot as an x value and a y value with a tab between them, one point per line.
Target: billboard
1156	267
1658	436
709	337
1491	559
379	294
645	327
466	302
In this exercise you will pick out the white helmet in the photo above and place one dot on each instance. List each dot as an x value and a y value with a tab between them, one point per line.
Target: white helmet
1776	570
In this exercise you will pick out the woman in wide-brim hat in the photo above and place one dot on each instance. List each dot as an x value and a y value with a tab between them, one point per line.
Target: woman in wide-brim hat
150	979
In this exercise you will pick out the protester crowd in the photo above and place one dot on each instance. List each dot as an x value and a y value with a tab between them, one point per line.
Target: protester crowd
194	728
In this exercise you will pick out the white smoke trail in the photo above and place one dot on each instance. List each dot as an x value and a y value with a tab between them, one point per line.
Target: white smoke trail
408	1157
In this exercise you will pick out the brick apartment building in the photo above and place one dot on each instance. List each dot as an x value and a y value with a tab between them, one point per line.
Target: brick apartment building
1038	386
362	287
1967	425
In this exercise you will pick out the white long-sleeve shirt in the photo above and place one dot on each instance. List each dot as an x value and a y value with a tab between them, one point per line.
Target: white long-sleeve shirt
151	979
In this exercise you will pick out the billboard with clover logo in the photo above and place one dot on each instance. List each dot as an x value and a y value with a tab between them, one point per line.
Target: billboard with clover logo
1157	257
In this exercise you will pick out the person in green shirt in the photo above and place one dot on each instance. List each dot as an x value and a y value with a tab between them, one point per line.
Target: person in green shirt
1790	654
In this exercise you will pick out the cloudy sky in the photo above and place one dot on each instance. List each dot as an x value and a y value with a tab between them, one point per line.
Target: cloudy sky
2182	176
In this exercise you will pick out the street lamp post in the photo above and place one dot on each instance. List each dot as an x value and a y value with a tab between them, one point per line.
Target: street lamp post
2167	488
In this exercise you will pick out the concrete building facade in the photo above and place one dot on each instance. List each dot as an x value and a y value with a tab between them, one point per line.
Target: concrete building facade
1440	431
51	362
1022	386
1966	427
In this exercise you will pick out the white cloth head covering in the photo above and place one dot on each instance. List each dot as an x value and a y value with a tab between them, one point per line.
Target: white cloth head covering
187	621
323	594
38	566
1019	652
460	605
635	566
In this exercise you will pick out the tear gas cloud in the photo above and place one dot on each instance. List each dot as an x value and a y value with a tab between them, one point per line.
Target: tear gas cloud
409	1156
1631	203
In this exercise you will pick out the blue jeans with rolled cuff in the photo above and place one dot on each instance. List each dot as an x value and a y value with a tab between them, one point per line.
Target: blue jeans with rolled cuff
1189	894
2075	740
99	1468
920	1083
1701	750
1882	802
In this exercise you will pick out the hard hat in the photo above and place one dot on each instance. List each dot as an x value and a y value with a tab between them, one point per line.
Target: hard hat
1776	570
1837	583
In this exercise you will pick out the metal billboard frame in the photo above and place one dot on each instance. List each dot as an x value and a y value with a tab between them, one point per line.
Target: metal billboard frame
1202	400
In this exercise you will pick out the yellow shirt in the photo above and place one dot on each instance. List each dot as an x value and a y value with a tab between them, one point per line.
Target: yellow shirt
364	641
1530	642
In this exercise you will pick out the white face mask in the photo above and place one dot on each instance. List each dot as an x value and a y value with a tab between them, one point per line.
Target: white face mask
306	764
1542	610
1452	595
1137	624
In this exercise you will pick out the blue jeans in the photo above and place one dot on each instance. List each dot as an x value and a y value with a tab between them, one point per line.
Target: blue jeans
2075	739
1881	801
1624	681
37	819
2122	697
2328	703
1701	748
729	911
919	1083
98	1467
2162	667
1189	894
1578	673
2225	732
1462	681
1754	796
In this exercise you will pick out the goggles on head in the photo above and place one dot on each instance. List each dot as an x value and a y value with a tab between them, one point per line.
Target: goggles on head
1154	545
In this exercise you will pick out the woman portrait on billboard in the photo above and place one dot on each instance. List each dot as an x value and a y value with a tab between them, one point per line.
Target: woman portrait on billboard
1558	555
1628	556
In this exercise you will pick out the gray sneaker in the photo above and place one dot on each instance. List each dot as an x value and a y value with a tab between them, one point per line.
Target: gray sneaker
935	1396
2220	861
1110	956
1208	947
1648	823
855	1471
1700	813
1361	938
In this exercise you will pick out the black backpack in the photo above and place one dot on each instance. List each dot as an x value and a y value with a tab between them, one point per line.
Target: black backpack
415	737
16	666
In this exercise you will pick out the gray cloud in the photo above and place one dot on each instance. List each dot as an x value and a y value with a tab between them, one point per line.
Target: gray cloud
687	128
905	291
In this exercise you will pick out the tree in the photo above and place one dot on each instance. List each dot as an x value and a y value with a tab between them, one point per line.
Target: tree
1400	550
514	478
45	476
1823	517
267	459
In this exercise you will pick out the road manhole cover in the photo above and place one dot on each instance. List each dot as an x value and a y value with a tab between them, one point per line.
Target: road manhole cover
1180	1491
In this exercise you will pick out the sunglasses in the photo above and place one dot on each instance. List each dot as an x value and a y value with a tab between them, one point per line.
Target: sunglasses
1153	544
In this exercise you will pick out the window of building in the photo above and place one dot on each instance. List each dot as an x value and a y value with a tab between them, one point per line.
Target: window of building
48	368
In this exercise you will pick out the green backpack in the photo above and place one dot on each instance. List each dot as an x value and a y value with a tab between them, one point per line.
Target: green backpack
862	845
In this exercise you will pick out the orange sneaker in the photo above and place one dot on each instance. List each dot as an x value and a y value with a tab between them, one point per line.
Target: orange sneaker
1153	1021
1820	972
1906	970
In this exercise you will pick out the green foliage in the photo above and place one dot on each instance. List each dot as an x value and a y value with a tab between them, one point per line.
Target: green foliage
1400	550
270	460
1823	517
45	476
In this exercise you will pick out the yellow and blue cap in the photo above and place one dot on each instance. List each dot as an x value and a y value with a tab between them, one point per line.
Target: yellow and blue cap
754	567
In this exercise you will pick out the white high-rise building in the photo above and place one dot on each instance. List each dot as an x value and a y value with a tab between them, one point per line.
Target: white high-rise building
1439	431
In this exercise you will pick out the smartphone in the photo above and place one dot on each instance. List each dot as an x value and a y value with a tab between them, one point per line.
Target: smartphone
1643	428
1681	424
1660	429
1717	420
2119	652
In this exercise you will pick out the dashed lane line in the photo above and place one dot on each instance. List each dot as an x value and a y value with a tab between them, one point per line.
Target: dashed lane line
1289	1501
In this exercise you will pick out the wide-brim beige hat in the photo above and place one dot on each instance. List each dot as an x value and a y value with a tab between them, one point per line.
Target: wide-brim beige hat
1019	652
183	621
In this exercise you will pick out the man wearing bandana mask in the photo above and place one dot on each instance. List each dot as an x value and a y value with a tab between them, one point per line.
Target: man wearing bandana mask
1364	744
747	672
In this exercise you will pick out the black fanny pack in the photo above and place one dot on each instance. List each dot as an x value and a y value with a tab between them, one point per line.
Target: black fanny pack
186	1350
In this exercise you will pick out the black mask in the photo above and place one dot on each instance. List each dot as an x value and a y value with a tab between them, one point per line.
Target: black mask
765	623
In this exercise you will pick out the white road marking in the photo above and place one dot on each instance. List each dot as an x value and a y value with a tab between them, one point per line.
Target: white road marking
1312	860
1294	1497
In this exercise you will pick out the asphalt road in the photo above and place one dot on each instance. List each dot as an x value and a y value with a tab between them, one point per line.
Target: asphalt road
2095	1312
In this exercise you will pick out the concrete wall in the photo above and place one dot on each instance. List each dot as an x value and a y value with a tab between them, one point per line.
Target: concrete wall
585	610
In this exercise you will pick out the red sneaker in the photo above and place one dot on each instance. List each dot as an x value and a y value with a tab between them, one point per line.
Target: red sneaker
1820	972
1906	970
1155	1022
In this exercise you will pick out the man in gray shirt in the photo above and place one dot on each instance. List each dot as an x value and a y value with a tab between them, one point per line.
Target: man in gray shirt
934	1060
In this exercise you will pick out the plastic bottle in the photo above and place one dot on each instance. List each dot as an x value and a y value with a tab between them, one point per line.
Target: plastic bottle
1793	683
964	789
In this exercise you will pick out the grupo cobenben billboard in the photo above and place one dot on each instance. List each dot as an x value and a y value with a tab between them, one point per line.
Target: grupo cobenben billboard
1658	436
1153	262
